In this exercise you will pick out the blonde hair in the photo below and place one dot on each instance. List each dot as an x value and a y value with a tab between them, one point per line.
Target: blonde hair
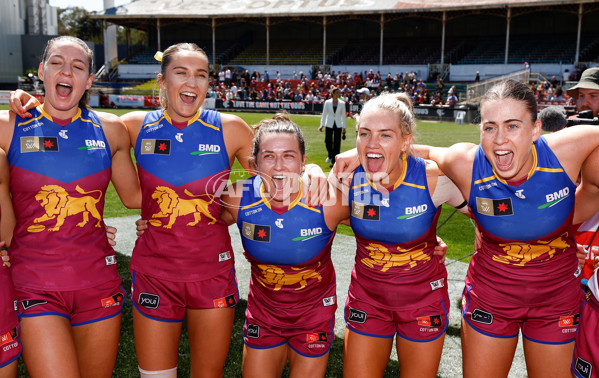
398	103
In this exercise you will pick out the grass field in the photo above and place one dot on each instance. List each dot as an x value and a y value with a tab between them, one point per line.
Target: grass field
457	232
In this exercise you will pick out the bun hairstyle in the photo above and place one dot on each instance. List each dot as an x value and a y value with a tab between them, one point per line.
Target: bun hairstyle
165	59
515	90
398	103
83	101
280	123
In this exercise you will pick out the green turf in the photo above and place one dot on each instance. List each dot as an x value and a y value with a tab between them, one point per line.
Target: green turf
457	232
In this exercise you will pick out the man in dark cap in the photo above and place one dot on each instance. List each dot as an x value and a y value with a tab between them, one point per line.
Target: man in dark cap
586	92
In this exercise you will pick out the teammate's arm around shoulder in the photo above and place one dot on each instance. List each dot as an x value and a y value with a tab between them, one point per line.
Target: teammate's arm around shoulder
455	161
572	146
134	121
238	140
443	190
587	193
124	176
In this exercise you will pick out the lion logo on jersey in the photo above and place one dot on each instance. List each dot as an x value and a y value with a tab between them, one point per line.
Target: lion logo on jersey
521	253
379	255
173	206
58	204
272	275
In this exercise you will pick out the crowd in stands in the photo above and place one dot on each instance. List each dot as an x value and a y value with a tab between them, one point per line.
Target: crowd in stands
228	84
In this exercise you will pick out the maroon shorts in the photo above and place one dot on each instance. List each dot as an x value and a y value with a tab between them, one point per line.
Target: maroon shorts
553	323
585	363
309	341
81	307
10	345
167	301
421	324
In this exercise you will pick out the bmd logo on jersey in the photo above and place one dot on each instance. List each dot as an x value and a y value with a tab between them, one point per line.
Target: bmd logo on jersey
207	149
555	197
414	211
91	144
308	233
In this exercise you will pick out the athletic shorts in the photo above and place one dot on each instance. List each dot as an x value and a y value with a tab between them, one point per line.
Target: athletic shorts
308	341
167	301
553	323
585	363
81	307
420	324
10	345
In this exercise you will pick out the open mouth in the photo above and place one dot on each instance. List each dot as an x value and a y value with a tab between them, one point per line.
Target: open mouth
188	97
504	159
63	89
374	162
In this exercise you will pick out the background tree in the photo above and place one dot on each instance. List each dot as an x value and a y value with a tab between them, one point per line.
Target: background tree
76	22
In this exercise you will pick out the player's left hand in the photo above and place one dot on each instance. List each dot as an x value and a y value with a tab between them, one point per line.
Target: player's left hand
440	250
111	235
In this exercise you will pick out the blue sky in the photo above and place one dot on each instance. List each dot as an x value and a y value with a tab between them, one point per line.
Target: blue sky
90	5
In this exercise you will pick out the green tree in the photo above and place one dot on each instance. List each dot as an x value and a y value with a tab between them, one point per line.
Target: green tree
76	22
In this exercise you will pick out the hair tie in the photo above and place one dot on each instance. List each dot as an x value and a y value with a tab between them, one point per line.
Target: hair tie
158	56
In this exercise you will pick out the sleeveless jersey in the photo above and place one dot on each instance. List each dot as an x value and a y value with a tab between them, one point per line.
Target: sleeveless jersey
59	176
396	237
528	253
182	173
292	275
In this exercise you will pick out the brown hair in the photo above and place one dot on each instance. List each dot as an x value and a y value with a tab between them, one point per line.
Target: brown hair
167	57
280	123
399	104
515	90
83	101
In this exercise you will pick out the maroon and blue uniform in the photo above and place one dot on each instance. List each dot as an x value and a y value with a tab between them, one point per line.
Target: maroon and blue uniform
527	258
59	175
396	277
292	296
585	363
10	332
182	170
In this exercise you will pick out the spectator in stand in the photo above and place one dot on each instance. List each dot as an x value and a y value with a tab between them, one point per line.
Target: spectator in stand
227	76
452	100
559	94
234	91
586	92
477	77
266	77
221	76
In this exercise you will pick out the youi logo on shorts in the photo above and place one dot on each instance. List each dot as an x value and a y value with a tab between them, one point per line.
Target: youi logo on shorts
555	197
207	149
356	316
414	211
91	144
308	233
148	300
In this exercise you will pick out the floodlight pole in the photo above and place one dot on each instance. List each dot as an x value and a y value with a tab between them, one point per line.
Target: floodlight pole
158	33
324	39
382	37
580	13
267	40
507	34
444	21
213	41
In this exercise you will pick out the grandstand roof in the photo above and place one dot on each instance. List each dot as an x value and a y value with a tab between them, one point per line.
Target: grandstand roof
262	8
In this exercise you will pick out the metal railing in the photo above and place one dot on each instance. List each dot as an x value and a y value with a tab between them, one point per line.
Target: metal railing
475	91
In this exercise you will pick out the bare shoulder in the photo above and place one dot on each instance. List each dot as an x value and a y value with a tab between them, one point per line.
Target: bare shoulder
231	121
109	119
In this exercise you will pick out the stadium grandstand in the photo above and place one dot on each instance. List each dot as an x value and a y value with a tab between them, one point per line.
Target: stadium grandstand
443	44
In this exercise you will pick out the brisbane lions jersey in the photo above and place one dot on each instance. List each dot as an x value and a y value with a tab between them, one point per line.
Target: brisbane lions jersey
183	171
396	236
528	254
292	275
59	175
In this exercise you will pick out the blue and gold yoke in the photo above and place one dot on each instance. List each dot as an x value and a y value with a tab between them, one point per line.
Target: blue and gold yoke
528	253
293	279
396	235
59	175
182	172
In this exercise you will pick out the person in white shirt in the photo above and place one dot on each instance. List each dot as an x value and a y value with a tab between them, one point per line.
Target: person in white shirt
333	117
